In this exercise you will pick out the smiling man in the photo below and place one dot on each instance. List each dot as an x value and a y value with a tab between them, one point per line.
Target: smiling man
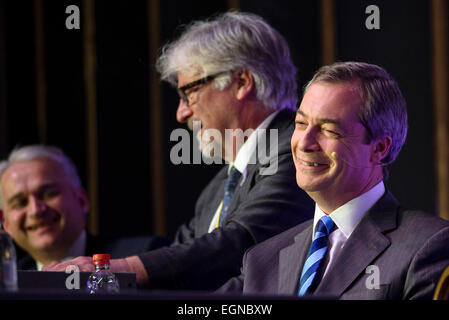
44	206
361	244
328	131
43	210
233	72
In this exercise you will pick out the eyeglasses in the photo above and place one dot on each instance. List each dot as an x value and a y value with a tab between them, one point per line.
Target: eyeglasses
186	96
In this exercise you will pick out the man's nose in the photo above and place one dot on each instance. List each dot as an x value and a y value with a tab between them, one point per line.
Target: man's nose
37	206
308	140
184	112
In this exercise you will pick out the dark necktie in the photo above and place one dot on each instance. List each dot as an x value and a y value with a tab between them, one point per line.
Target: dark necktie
312	269
233	179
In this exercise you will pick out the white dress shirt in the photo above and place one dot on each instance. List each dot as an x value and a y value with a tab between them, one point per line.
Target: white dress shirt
346	218
242	159
77	249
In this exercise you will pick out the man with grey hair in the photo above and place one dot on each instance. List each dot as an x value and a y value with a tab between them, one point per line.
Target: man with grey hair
43	207
361	244
233	73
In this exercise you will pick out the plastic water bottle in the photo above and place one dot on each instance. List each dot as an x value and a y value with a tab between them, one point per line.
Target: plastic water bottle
8	265
102	280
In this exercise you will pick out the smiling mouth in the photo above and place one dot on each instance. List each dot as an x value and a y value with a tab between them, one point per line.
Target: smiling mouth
312	164
45	223
194	124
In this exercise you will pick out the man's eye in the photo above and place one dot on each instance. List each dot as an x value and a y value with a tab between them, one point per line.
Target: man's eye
192	90
50	194
19	203
331	133
300	124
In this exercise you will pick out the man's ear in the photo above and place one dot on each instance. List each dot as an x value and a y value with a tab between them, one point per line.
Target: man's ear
245	84
381	148
83	199
2	219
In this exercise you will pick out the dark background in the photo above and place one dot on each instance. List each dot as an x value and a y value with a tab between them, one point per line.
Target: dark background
402	46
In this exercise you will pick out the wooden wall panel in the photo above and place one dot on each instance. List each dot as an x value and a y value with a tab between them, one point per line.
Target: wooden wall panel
90	64
41	87
440	77
156	123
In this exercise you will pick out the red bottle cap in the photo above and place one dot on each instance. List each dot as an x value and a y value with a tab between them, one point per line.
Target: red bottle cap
101	258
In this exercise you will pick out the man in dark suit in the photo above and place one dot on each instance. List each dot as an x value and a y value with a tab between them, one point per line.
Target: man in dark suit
234	76
44	206
361	244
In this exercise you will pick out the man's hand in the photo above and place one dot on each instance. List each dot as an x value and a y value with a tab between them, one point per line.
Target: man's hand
83	263
127	265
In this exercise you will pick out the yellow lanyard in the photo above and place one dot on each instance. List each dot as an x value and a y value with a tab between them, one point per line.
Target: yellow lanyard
219	213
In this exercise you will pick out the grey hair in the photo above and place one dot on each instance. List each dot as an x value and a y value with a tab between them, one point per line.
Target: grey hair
234	41
36	152
383	111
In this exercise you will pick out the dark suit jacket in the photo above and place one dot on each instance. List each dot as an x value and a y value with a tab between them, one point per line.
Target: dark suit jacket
410	249
116	247
263	206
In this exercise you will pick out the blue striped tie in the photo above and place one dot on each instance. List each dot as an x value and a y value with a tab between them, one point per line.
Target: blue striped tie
231	184
311	271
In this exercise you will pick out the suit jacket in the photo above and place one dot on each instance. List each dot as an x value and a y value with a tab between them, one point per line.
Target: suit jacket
116	247
262	206
407	250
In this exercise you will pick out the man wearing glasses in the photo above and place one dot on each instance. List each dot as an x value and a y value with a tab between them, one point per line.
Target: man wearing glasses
233	74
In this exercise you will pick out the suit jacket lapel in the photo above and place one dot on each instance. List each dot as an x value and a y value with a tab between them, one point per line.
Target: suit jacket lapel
242	187
291	261
363	246
282	121
214	196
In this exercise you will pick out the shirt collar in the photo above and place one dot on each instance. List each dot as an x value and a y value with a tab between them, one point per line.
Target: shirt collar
347	217
76	250
247	150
